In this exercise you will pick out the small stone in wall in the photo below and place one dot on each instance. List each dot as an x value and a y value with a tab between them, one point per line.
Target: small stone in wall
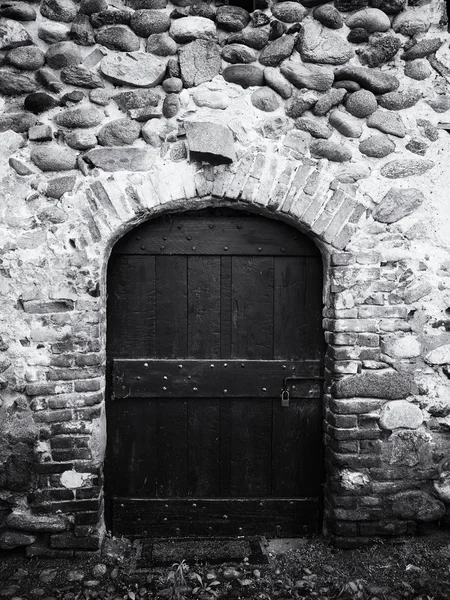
161	44
406	168
329	16
400	414
318	44
345	124
88	7
172	85
439	356
85	116
189	29
199	62
359	35
244	75
361	103
18	122
19	167
13	35
111	17
330	150
387	122
416	292
397	204
313	77
100	97
259	19
82	32
137	99
381	50
13	83
429	130
299	103
136	69
422	48
80	76
265	99
80	139
28	58
120	132
390	385
442	486
289	12
412	22
326	102
63	54
353	173
350	5
210	142
171	105
118	37
277	51
203	9
232	18
178	151
40	133
417	146
316	127
254	38
154	132
277	82
59	10
211	99
298	141
377	146
120	159
145	22
52	157
440	104
418	505
52	32
374	80
407	346
370	19
13	539
23	521
18	11
347	84
418	69
400	100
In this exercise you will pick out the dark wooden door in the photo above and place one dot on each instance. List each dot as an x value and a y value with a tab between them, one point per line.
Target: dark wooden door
208	313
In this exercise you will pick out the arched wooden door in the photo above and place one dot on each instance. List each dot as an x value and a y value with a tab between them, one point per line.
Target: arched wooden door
208	313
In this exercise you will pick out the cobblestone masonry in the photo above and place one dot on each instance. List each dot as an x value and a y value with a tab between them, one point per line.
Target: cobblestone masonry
305	112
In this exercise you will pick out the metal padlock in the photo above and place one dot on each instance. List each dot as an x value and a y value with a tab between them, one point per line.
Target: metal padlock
285	398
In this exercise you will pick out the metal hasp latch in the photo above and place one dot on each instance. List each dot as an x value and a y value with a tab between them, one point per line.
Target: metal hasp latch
285	391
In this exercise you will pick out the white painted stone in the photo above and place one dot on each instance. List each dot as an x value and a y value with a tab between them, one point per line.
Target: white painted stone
353	480
400	414
439	356
407	346
442	486
73	480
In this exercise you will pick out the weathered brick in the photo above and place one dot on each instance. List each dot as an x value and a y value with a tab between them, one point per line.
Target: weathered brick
341	339
341	259
384	312
368	339
351	325
89	385
72	454
53	416
88	360
87	518
356	461
71	427
388	527
87	414
71	374
69	441
86	493
344	528
356	405
342	420
47	388
75	401
356	433
54	467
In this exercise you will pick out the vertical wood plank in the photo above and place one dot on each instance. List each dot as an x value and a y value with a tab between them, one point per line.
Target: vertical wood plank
252	307
203	280
225	447
290	293
315	343
225	306
251	447
171	306
203	448
172	435
131	306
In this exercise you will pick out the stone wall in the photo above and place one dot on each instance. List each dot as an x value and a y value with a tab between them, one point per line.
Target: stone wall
330	116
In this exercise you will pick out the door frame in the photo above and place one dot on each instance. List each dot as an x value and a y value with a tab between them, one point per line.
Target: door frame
180	208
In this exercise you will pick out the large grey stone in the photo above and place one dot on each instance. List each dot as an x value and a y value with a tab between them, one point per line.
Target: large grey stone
407	346
377	146
345	124
418	69
120	132
397	204
253	38
161	44
111	17
20	122
313	77
134	99
373	80
80	76
330	150
171	105
52	157
192	28
134	69
318	44
117	37
82	32
27	58
24	521
265	99
370	19
361	103
18	11
400	100
289	12
406	168
238	54
400	414
390	385
412	22
244	75
232	18
326	102
299	103
13	83
316	127
211	99
387	122
199	62
418	505
52	32
120	159
422	48
277	51
278	82
145	22
329	16
13	539
63	54
39	102
13	35
439	356
210	142
80	117
59	10
380	50
80	139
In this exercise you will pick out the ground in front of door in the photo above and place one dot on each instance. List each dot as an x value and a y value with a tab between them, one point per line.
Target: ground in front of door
416	569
